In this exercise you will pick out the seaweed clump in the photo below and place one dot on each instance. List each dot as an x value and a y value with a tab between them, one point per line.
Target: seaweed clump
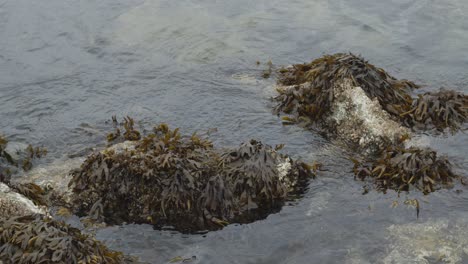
38	239
130	132
308	89
399	168
32	191
183	181
443	109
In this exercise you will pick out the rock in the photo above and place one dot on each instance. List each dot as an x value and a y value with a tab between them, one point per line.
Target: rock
167	179
361	122
347	98
373	114
15	149
15	204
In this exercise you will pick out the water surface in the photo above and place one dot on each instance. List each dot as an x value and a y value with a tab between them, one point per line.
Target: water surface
67	66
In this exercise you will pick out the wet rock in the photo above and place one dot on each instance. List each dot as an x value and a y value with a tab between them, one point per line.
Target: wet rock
361	122
15	204
347	98
373	114
168	179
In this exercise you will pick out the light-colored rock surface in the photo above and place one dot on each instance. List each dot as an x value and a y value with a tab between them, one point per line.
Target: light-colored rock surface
15	204
360	121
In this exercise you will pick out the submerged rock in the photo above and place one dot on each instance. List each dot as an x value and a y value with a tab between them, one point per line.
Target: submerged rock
183	181
432	241
38	239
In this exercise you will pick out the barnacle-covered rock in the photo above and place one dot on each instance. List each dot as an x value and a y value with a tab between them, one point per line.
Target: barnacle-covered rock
14	204
38	239
183	181
348	97
362	105
313	85
361	122
401	168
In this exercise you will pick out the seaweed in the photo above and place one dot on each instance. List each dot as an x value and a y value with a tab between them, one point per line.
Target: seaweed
443	109
38	239
183	181
8	164
400	168
31	191
130	132
309	89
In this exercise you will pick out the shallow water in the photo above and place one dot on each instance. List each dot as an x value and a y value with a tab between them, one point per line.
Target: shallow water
67	66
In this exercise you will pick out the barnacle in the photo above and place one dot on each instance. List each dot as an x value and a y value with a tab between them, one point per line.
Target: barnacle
183	181
38	239
400	168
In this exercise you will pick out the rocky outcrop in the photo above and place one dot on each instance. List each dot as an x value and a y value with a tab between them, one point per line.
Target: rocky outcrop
373	114
167	179
347	98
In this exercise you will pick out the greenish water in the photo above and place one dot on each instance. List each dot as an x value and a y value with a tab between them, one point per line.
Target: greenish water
67	66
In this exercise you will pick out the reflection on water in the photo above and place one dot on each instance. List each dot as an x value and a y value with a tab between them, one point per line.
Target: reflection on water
67	66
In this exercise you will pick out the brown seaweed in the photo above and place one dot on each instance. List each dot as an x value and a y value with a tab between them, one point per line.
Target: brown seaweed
400	168
31	191
310	90
443	109
129	127
38	239
183	181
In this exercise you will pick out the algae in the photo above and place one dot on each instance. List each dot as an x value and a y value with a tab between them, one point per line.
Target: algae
440	110
307	90
168	179
400	168
38	239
